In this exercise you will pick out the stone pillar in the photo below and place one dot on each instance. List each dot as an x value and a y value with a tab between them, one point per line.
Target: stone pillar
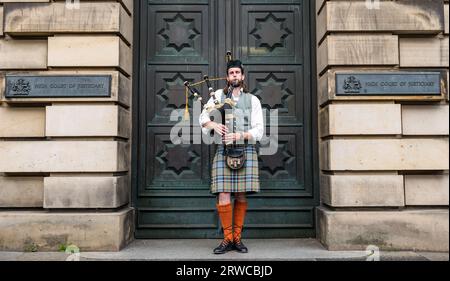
384	159
67	158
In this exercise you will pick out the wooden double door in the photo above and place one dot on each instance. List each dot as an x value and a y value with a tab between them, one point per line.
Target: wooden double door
183	40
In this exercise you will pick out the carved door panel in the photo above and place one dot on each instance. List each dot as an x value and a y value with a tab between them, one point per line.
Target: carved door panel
185	39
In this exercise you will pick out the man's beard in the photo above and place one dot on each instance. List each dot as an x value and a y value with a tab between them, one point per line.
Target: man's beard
236	83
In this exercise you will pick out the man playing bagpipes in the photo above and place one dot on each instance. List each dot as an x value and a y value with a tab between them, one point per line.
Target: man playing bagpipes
235	164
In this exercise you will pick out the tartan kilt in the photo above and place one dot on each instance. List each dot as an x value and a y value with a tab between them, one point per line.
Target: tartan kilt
246	179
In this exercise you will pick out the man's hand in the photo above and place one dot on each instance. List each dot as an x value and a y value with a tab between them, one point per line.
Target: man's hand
218	128
233	137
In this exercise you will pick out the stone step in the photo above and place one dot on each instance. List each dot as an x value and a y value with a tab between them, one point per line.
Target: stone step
46	231
420	230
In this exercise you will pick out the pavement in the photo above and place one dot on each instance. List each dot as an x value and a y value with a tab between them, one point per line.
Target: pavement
201	250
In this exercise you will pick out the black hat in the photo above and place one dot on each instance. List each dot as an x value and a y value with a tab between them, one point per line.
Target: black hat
235	63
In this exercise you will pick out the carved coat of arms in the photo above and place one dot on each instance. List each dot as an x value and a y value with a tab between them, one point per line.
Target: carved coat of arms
20	87
352	85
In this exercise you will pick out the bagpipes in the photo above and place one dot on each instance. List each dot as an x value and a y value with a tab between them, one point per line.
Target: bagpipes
190	88
234	155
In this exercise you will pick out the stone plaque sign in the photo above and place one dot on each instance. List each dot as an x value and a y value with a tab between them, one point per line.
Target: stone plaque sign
395	83
61	86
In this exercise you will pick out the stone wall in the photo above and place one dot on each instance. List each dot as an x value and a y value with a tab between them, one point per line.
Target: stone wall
65	162
384	160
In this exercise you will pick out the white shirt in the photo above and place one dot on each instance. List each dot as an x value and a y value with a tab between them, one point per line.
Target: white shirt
257	122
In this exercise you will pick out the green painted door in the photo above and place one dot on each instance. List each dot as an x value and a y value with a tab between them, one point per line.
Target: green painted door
183	40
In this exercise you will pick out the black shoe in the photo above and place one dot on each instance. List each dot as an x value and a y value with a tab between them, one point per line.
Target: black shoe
240	247
224	247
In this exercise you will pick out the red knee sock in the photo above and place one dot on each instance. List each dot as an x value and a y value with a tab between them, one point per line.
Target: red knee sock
226	216
240	209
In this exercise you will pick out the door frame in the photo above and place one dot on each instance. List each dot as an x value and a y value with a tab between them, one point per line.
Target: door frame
138	85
